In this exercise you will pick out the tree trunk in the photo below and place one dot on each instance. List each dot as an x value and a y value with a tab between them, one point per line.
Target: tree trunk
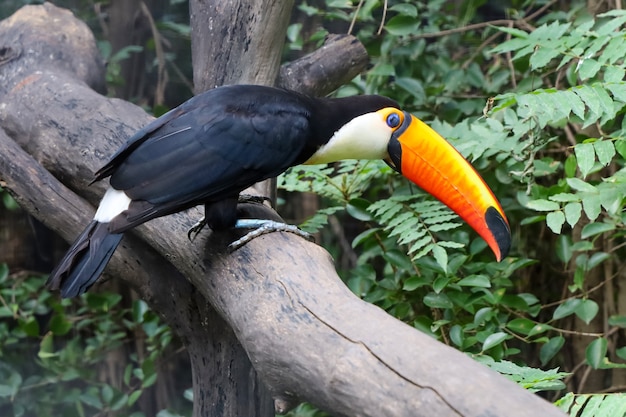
308	337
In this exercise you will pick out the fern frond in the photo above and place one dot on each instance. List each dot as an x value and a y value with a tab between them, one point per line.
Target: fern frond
320	219
412	220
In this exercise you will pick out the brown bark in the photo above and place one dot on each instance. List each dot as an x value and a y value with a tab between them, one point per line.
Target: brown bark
306	334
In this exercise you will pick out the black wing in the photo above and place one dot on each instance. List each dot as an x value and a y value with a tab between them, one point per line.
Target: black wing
211	148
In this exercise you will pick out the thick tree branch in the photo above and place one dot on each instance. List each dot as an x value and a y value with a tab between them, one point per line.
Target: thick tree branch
307	335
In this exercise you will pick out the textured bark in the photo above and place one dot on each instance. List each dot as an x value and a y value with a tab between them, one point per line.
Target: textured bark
237	41
317	73
306	334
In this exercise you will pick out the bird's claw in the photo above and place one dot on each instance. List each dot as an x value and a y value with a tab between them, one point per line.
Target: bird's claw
262	227
195	230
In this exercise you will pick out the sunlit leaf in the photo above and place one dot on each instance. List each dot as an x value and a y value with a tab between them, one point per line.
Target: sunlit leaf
573	213
585	155
605	150
542	205
555	221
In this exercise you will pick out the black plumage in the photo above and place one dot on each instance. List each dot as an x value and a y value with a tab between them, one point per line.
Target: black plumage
219	143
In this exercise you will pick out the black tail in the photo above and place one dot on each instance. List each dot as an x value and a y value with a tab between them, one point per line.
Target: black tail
84	261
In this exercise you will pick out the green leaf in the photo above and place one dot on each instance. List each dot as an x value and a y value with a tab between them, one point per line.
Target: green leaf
440	283
573	212
542	205
593	229
580	185
585	155
134	396
59	324
619	321
494	340
587	310
107	394
383	69
483	315
591	100
441	256
555	221
570	166
565	198
566	309
456	335
540	328
412	86
618	90
402	25
564	248
575	103
596	259
481	281
91	399
542	56
398	258
364	236
29	326
405	9
588	68
550	349
521	325
415	282
140	307
357	208
620	147
596	352
592	206
440	300
605	150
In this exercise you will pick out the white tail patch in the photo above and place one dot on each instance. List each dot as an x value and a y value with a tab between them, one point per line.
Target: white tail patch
113	203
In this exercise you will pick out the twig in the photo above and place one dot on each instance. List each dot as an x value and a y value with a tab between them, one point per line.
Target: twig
159	94
382	20
356	13
509	62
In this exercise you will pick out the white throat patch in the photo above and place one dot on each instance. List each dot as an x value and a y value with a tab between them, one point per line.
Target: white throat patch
364	137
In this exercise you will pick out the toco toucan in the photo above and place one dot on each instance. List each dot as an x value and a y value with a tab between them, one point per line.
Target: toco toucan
220	142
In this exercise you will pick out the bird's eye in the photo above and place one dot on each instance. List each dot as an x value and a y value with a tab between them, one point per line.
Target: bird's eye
393	120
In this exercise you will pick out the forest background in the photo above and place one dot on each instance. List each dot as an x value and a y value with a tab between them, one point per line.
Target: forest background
532	92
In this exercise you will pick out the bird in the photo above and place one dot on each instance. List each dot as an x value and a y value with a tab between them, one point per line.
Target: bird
220	142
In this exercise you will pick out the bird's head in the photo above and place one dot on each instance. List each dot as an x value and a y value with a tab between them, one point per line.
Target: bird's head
421	155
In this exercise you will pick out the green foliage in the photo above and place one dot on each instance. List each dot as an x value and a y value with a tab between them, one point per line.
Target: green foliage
530	378
539	110
67	342
8	202
593	405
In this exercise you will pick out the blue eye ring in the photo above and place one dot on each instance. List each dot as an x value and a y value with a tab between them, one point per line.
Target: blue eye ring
393	120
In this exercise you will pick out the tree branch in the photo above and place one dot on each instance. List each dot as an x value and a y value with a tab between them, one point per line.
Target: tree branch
307	335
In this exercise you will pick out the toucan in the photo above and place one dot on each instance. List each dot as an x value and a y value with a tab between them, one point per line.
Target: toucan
220	142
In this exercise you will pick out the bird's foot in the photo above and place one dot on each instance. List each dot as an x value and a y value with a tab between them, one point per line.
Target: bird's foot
262	227
249	198
196	229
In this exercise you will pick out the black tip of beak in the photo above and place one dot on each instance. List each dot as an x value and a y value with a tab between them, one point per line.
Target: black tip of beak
500	230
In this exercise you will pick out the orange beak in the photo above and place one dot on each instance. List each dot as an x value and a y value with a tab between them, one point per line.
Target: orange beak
424	157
